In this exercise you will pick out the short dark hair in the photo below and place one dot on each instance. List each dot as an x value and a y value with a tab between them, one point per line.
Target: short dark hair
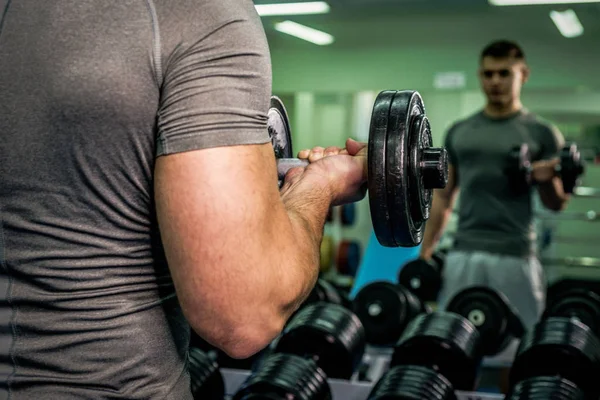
503	49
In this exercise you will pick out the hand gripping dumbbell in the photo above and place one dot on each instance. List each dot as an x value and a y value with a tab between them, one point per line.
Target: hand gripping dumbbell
403	167
520	170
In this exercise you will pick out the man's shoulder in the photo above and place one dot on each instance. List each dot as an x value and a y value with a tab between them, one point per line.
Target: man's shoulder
467	122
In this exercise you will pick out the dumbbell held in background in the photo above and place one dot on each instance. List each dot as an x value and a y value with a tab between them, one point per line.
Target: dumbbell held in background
424	278
491	313
403	167
559	347
385	309
570	169
444	342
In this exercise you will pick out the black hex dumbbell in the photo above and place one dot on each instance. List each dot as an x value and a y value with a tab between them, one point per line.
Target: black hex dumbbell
424	278
491	313
385	309
561	348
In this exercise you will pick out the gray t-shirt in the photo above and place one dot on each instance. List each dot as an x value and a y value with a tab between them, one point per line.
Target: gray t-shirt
92	92
492	217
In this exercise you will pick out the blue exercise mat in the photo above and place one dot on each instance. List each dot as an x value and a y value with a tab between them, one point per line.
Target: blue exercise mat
381	263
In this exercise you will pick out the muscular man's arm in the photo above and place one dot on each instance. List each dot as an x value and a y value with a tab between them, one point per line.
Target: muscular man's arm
441	209
549	186
552	194
242	259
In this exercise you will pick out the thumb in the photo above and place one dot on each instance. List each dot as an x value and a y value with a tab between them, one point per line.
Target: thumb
355	147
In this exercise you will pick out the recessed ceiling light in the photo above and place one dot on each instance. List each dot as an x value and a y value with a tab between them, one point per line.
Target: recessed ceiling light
313	7
304	32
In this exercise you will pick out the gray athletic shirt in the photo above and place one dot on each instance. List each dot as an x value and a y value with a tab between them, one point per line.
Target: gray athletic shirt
493	218
92	91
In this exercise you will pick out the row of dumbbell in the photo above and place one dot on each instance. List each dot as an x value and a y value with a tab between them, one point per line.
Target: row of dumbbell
438	353
385	311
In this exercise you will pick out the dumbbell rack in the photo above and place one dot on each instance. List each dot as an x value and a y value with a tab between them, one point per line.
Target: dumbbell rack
341	390
378	359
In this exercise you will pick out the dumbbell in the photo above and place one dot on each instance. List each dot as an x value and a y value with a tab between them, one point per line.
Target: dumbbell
285	376
424	278
412	382
348	256
329	334
205	377
385	309
559	347
570	169
545	388
403	167
491	313
443	342
323	291
578	303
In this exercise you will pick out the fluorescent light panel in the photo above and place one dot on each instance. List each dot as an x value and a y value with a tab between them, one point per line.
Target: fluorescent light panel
567	23
304	32
313	7
537	2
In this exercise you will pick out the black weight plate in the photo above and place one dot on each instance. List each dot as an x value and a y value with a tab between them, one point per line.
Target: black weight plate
323	292
278	126
285	376
545	388
421	277
445	342
406	105
438	258
385	309
576	303
559	347
329	334
205	378
489	311
420	196
377	170
412	382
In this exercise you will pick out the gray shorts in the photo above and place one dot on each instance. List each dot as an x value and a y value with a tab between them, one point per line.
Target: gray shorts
521	280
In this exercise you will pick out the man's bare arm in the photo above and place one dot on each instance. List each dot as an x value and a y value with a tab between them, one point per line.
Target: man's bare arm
242	259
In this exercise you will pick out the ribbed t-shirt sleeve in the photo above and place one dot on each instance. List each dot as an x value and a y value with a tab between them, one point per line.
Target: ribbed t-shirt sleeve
216	84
